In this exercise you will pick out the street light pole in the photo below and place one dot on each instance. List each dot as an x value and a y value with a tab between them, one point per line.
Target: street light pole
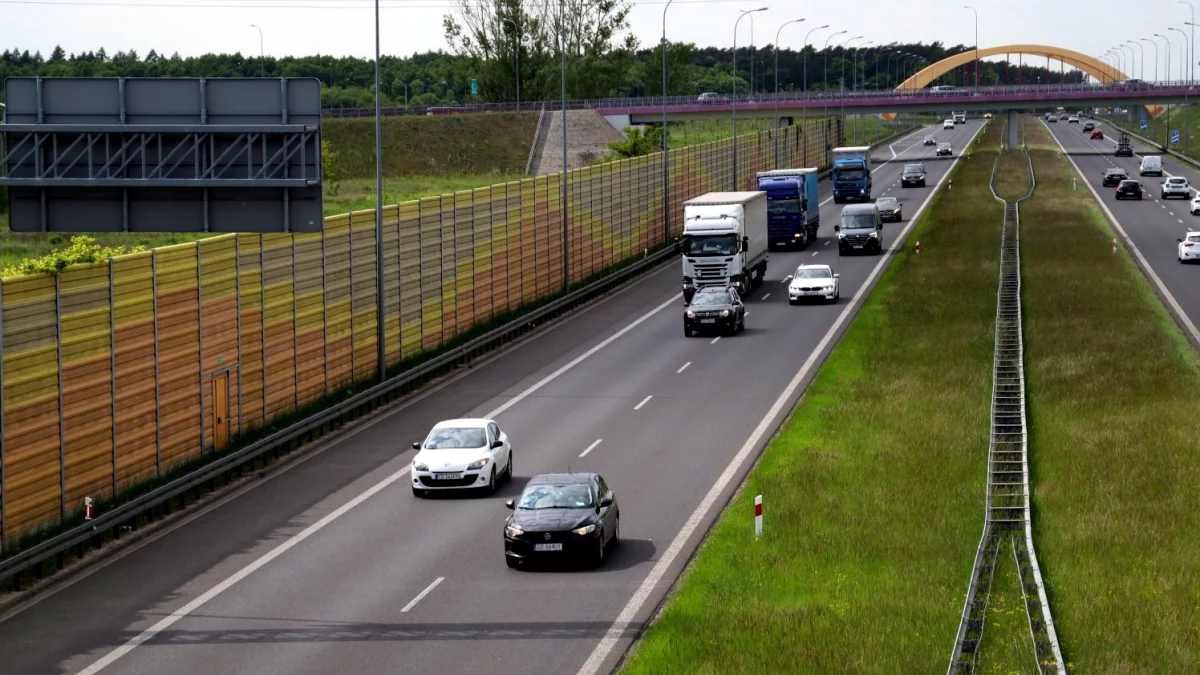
1142	68
666	153
845	46
381	347
516	57
825	85
1155	45
775	163
562	50
1185	74
804	91
976	43
1192	45
262	64
735	26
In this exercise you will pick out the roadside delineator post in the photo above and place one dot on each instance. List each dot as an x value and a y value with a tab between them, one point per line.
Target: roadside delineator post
758	516
1114	245
87	508
645	253
949	183
918	248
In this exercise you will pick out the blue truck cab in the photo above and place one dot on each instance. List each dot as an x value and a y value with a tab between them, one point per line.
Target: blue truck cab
852	174
793	208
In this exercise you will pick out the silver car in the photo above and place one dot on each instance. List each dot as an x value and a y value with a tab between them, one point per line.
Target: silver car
889	208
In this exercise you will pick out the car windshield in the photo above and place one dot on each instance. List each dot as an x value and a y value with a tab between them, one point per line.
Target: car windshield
886	203
1116	172
711	299
812	273
851	174
858	221
944	146
1176	181
914	168
713	244
449	438
783	207
573	496
1194	238
1129	183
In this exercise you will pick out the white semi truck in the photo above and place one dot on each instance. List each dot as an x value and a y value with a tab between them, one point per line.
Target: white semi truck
724	241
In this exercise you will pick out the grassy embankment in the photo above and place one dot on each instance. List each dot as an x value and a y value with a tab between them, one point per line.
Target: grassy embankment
873	487
1159	129
1113	385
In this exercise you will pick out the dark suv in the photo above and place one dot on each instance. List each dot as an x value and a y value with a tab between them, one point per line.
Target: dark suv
715	307
1114	176
914	174
1129	189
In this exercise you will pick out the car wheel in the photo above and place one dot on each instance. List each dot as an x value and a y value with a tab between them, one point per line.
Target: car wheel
742	324
616	535
508	471
600	550
491	488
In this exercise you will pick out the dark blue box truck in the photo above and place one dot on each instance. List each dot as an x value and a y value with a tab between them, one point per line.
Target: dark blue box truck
793	208
852	174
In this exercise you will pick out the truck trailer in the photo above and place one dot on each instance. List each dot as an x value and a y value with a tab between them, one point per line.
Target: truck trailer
852	174
724	241
793	208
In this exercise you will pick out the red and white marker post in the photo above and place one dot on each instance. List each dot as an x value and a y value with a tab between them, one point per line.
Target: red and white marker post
1114	245
87	508
758	516
918	249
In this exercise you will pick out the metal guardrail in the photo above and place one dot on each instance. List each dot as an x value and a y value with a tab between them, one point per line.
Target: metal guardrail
322	422
1008	491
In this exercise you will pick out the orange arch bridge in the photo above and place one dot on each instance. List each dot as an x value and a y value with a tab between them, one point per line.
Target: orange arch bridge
1089	64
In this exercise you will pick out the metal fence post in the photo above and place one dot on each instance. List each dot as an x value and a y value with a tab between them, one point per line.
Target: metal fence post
262	324
200	341
62	419
237	280
112	368
295	331
324	321
3	456
350	240
157	378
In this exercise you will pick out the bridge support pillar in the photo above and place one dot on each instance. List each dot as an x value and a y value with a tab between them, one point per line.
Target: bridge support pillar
619	122
1014	137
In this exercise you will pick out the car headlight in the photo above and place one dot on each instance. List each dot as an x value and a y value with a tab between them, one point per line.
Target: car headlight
479	463
513	531
586	529
841	235
691	314
724	312
420	466
874	235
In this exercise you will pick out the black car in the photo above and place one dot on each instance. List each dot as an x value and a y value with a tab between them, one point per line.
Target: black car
1113	177
1129	189
1124	148
944	149
715	307
914	174
890	208
562	516
930	140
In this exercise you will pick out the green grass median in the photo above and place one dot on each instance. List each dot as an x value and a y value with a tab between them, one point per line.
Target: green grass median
874	488
1113	389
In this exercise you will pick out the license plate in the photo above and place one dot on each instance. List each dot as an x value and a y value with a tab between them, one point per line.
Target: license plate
708	320
447	476
547	547
858	246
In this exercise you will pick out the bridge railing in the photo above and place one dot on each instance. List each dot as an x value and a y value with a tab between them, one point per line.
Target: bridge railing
757	99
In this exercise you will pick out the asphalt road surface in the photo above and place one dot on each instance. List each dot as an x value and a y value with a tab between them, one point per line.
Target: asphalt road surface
333	567
1152	224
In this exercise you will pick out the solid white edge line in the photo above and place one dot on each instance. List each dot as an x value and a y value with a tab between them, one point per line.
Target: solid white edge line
307	532
591	447
246	571
625	619
644	402
420	596
1147	269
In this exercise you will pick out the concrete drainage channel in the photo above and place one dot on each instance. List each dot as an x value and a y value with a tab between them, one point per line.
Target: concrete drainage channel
1007	505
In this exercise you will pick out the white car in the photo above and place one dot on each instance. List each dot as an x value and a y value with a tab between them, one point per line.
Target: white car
814	281
1176	186
1195	207
1189	247
1073	119
462	453
948	124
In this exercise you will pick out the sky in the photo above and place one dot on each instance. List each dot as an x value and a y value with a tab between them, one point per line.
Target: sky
346	27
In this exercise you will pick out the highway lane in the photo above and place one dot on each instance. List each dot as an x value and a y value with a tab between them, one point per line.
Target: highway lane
1152	224
342	599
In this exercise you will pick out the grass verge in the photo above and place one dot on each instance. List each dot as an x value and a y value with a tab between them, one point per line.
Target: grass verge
874	485
1113	385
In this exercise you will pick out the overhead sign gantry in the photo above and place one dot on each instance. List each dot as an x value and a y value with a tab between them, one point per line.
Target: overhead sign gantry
126	154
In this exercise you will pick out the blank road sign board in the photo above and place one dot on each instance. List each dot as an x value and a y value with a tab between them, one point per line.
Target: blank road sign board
162	154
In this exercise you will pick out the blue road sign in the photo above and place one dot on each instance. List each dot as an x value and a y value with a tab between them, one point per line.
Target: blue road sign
1143	125
1174	137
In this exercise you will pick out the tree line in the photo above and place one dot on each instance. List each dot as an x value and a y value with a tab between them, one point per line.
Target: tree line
488	38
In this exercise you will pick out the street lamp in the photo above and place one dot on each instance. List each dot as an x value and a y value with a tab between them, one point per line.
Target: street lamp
735	25
1182	75
804	91
854	62
262	72
842	96
516	57
1155	45
562	51
825	68
1166	53
976	43
1192	50
1142	68
666	154
776	123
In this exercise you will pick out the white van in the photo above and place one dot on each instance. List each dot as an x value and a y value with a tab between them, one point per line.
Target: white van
1151	165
